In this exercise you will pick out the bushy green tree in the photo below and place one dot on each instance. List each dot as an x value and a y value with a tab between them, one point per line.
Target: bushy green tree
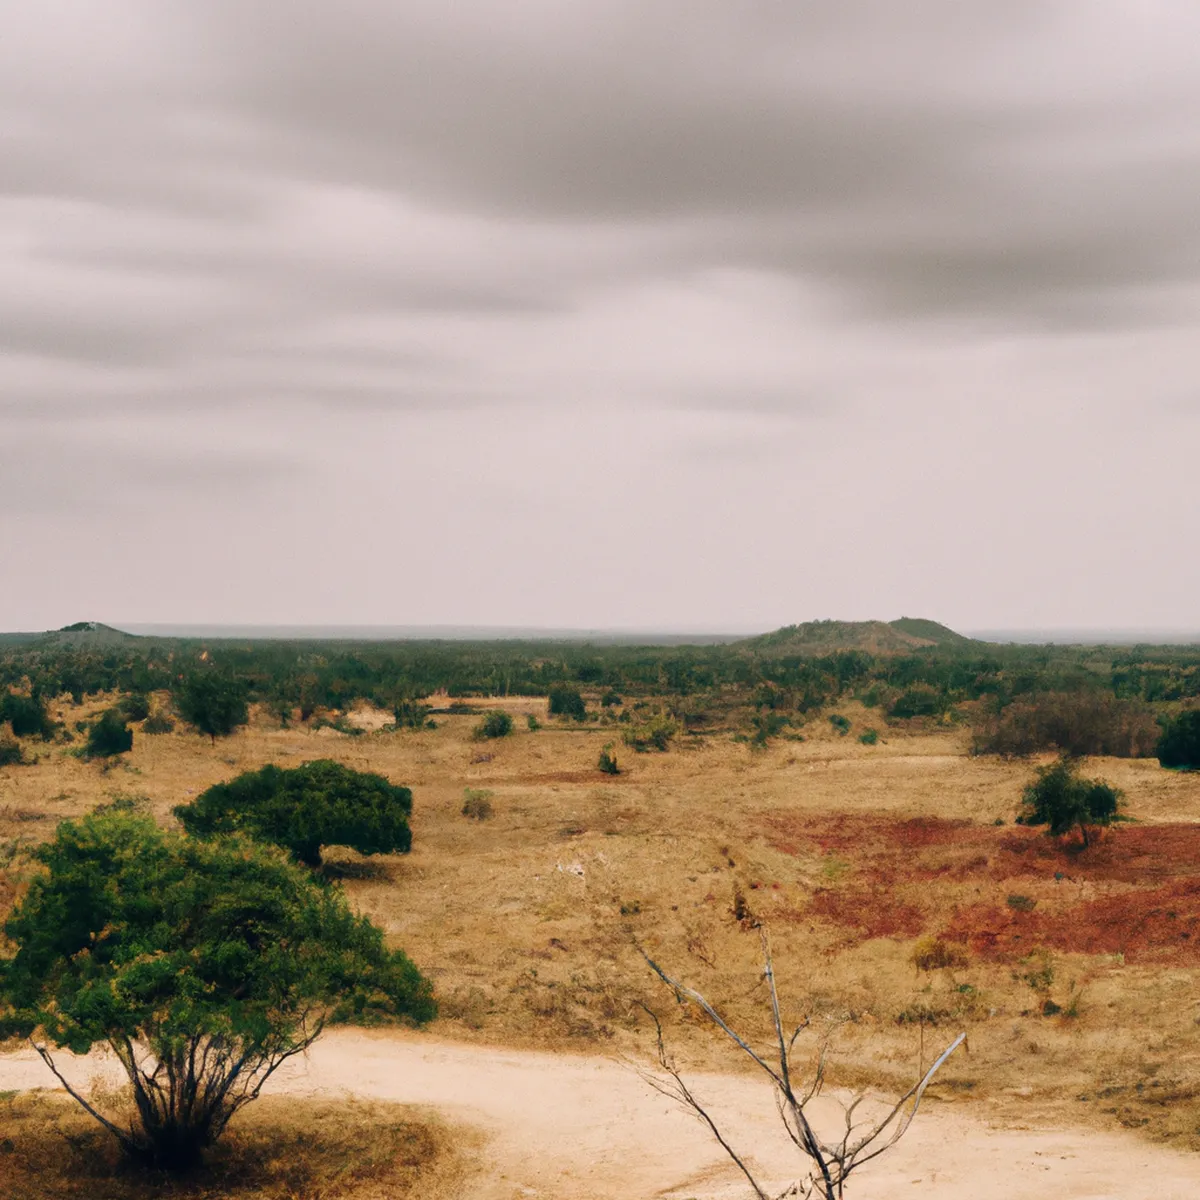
321	803
1179	744
411	714
496	724
27	715
202	966
565	701
1059	798
608	761
109	735
214	703
135	706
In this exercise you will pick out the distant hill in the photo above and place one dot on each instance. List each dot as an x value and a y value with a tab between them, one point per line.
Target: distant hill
875	637
930	631
85	635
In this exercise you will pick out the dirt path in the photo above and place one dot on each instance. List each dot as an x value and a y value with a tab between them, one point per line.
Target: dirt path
566	1128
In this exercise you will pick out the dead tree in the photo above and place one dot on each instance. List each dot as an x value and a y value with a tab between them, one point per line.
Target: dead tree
830	1162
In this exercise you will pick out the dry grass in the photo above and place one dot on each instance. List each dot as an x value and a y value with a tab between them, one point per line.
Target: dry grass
1080	996
279	1149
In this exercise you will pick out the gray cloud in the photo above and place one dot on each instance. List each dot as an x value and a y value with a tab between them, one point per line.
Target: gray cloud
772	242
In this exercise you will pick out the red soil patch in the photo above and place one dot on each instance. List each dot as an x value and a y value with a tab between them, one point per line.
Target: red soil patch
1160	923
906	877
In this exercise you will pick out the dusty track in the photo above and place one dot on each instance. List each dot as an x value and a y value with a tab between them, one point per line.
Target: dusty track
573	1128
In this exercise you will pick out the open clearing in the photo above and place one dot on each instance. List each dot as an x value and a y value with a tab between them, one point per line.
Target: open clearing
1075	972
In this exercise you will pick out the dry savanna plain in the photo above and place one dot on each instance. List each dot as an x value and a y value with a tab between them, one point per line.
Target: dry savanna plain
902	902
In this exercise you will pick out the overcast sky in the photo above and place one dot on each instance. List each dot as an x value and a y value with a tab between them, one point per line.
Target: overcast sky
691	314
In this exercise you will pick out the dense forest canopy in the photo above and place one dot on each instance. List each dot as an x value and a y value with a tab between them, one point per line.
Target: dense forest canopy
791	670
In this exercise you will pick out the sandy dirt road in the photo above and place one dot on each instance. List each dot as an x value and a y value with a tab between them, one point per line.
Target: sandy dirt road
573	1128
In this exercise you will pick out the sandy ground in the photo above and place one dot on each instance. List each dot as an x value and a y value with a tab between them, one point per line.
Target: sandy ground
586	1128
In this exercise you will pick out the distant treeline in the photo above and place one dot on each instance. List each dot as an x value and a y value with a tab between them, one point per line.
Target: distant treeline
310	676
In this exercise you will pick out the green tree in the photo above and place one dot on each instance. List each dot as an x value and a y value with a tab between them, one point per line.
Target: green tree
109	736
608	761
214	703
321	803
1059	798
27	715
201	965
410	713
566	701
1179	744
496	724
135	706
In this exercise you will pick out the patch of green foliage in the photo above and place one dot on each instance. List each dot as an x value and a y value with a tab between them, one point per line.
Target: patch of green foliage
201	965
767	725
27	715
109	735
213	702
410	713
920	700
841	724
496	724
653	734
608	760
135	706
303	809
1179	744
1060	799
869	737
567	702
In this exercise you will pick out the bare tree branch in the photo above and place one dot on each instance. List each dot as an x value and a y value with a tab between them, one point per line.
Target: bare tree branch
830	1164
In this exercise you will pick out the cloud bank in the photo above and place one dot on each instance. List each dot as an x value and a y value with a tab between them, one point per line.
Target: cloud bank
686	314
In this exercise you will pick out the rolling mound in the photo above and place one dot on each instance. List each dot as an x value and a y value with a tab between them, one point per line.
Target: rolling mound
88	635
875	637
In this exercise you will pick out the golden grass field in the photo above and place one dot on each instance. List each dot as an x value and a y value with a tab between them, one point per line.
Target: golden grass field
1075	972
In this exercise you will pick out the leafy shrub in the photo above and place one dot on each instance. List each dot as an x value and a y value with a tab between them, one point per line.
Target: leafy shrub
411	714
496	724
1179	743
654	734
321	803
158	722
533	723
214	703
841	725
201	965
27	715
109	736
566	701
920	700
477	804
1059	798
611	699
135	706
1021	903
608	761
767	725
869	737
10	749
1075	723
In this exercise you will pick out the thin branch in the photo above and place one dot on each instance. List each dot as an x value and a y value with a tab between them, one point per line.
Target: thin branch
684	1095
119	1134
